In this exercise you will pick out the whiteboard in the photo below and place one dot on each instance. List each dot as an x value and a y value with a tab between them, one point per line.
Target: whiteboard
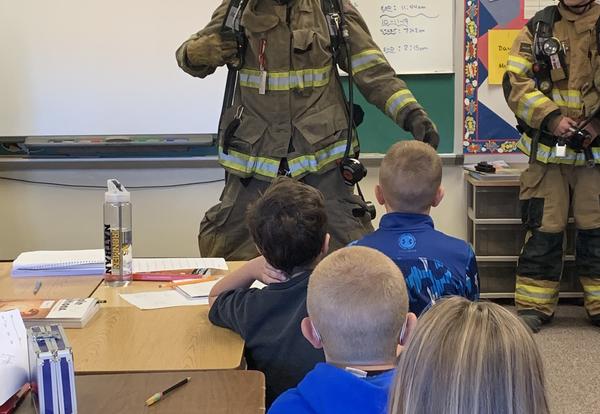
416	36
107	67
87	67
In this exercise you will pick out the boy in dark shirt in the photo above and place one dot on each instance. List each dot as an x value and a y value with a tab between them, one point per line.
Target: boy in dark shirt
288	225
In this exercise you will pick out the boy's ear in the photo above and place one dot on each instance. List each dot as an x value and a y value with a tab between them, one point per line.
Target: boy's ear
325	246
379	195
408	329
439	196
310	333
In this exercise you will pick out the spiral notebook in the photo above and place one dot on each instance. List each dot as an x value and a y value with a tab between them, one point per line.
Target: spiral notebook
59	263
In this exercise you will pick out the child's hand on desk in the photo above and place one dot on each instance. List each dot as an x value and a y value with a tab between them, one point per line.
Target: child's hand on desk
266	273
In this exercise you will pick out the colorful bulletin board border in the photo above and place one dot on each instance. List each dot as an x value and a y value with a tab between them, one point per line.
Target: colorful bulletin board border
488	124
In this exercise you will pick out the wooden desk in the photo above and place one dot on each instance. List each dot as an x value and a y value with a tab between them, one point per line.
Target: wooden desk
52	287
123	338
215	392
126	339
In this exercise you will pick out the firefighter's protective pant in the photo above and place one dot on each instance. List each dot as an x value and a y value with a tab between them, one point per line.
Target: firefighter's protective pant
223	231
547	191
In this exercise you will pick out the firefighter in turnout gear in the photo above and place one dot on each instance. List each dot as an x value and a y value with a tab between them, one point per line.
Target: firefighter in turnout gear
552	84
289	113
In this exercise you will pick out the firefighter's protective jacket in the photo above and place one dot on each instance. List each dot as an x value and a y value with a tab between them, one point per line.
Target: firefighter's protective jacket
301	116
576	96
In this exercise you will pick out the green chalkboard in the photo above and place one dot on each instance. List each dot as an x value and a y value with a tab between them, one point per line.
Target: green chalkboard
434	92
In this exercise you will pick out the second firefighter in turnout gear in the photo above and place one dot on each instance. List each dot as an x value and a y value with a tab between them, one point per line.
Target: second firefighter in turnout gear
289	113
552	84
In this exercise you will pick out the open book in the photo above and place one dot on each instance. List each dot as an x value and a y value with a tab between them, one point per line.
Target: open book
70	313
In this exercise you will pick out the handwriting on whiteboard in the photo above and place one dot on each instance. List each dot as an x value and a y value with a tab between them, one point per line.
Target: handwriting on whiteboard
399	20
415	35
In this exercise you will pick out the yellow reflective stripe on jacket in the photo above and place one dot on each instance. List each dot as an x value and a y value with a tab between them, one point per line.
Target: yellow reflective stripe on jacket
567	98
518	65
269	167
247	164
529	103
398	101
315	162
547	155
285	81
535	294
366	60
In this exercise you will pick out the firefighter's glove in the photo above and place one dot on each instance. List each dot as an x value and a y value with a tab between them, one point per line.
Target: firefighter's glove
211	50
562	127
422	128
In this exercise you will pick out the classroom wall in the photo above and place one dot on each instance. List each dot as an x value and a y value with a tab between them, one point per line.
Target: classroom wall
34	216
165	221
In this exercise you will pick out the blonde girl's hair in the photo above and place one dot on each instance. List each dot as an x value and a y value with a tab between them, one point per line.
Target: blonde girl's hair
469	358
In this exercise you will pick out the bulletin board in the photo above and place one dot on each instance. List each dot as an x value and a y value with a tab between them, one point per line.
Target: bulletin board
490	27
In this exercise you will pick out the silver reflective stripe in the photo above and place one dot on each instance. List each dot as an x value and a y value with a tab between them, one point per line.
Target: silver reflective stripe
398	101
284	81
249	164
528	104
314	162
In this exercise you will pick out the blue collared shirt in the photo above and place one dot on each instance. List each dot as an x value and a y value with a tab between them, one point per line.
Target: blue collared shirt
434	264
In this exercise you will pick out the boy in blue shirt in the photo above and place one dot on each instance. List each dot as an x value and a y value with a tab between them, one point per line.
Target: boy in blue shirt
288	225
433	264
358	313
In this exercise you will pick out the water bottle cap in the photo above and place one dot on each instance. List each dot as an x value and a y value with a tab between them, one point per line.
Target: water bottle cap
116	192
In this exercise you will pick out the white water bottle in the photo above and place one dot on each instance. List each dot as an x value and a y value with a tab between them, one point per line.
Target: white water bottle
117	235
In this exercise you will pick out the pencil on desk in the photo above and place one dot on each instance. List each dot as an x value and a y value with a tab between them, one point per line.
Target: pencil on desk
189	282
158	396
37	287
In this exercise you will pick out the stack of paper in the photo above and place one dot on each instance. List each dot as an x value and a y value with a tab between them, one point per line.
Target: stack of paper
197	290
189	294
160	299
14	362
59	263
70	313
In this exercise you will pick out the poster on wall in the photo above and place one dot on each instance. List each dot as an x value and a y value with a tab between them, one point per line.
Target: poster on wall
490	28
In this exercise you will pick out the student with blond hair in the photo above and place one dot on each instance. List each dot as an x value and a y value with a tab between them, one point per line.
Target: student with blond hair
433	263
358	313
469	358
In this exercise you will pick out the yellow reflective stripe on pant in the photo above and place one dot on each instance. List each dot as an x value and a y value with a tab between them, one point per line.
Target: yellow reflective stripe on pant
567	98
535	295
592	292
529	103
366	60
285	81
315	162
248	165
398	101
518	65
547	155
